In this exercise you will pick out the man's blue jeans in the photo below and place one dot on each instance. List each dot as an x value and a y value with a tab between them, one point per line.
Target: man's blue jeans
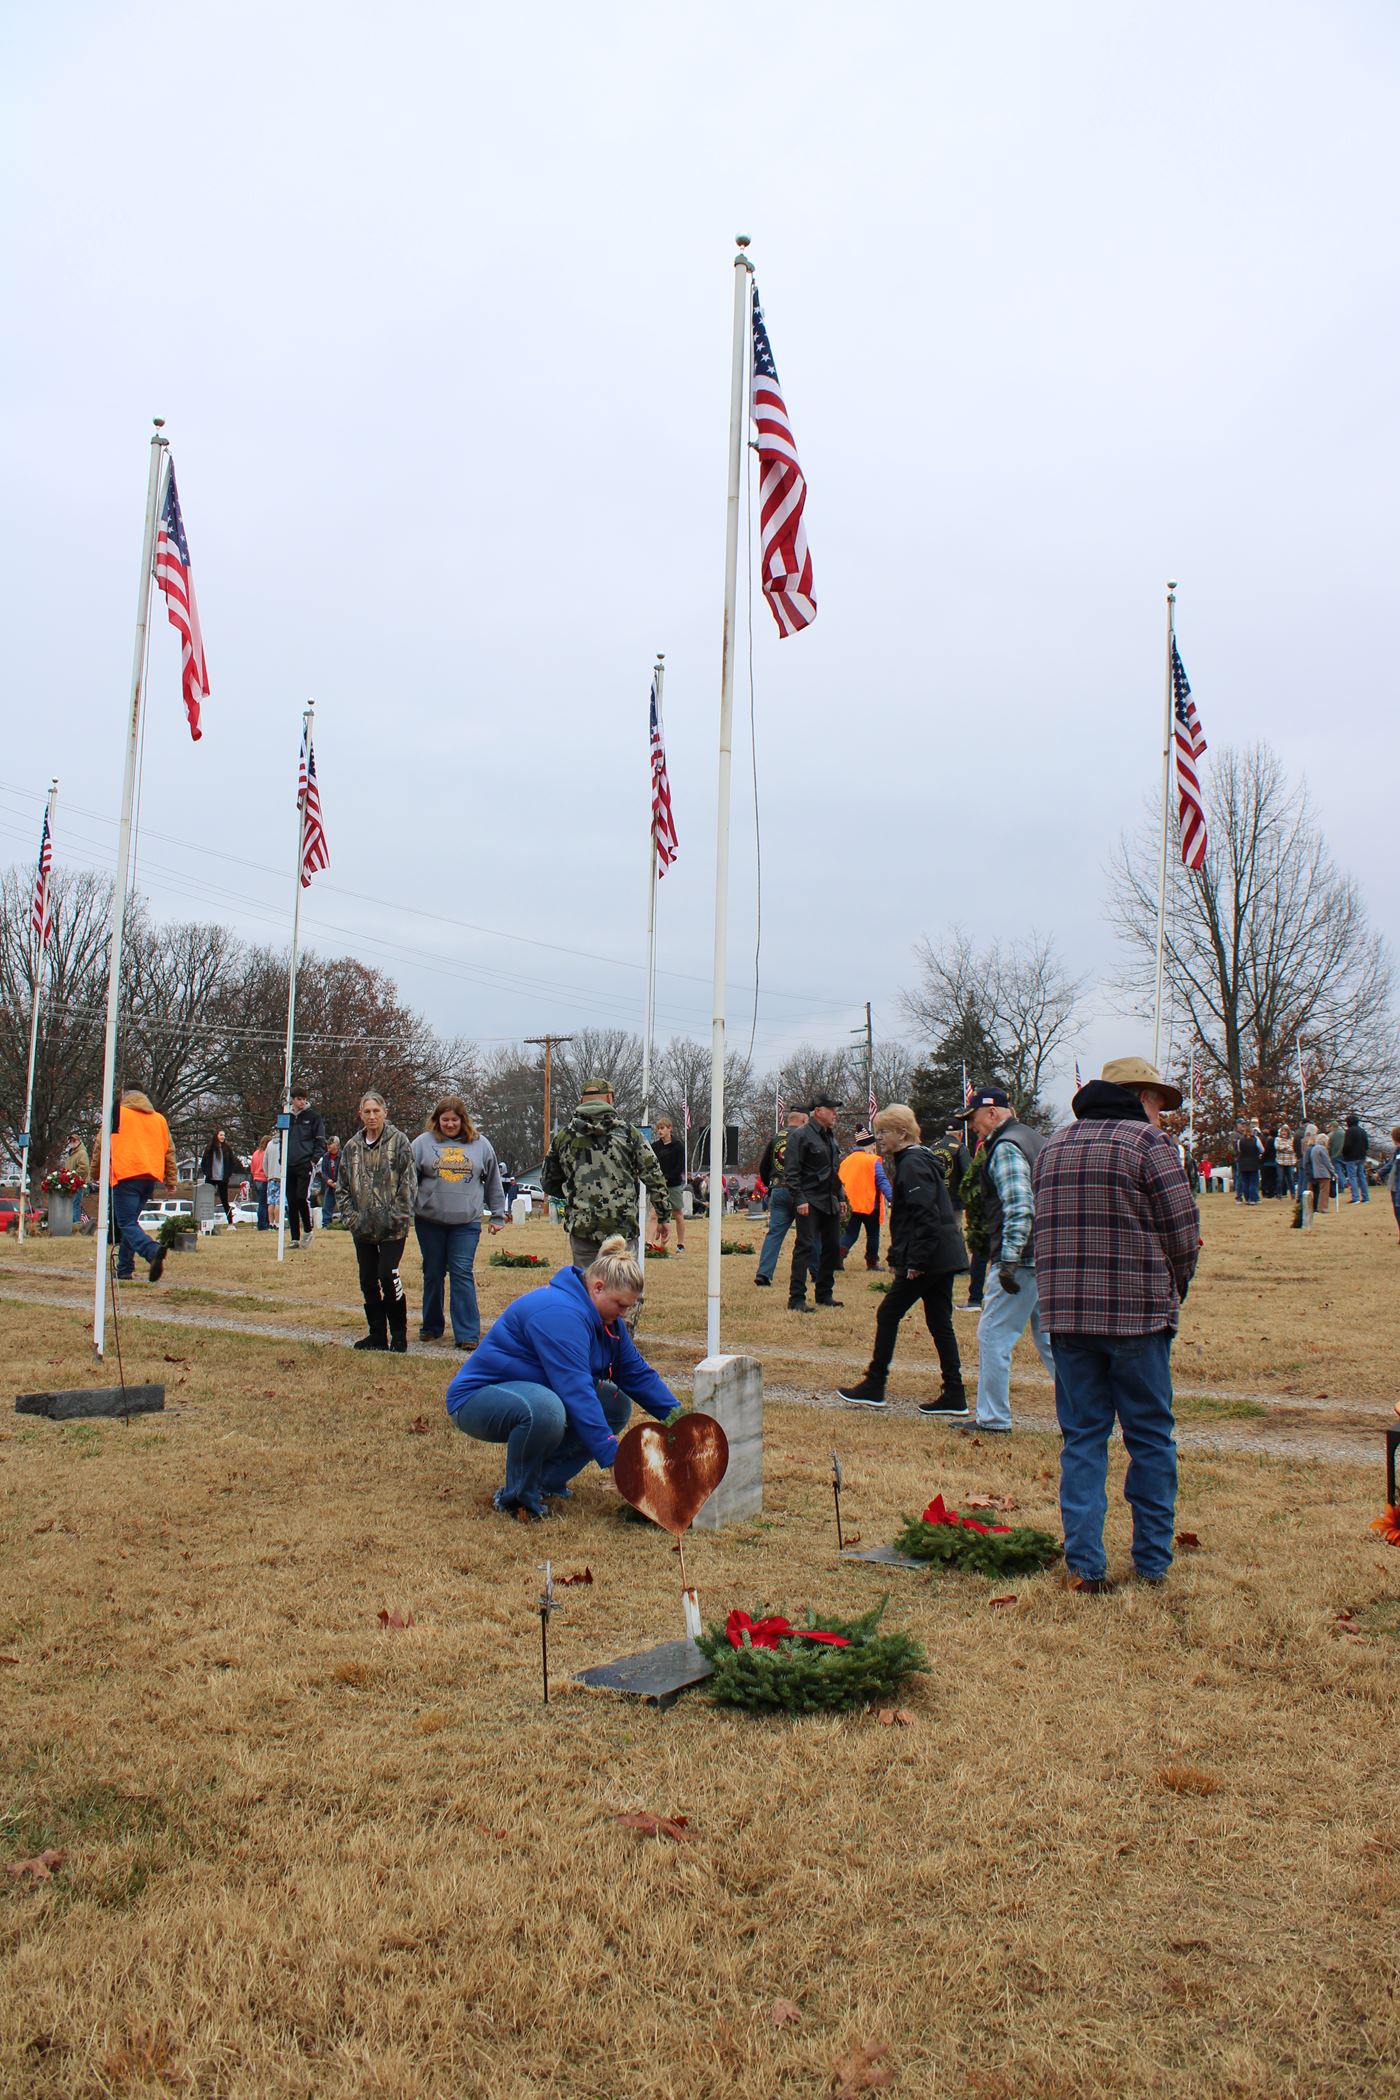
1005	1317
450	1251
129	1199
1356	1180
782	1215
543	1452
1100	1377
1247	1184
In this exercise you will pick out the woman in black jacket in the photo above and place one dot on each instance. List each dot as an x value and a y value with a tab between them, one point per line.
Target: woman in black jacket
926	1253
218	1166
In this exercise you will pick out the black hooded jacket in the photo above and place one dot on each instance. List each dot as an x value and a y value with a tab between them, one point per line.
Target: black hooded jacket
1105	1103
924	1231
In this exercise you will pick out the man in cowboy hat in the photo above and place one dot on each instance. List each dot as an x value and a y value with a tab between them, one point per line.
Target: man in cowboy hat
1116	1240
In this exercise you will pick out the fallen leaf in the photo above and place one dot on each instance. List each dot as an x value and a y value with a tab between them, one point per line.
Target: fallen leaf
418	1426
443	1494
784	2012
860	2071
396	1619
1188	1542
998	1603
903	1716
885	1717
852	1539
656	1826
990	1502
177	1359
566	1581
41	1868
9	1658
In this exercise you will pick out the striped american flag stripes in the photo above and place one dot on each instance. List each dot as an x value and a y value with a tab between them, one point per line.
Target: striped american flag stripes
1190	746
663	824
173	576
42	919
315	853
785	563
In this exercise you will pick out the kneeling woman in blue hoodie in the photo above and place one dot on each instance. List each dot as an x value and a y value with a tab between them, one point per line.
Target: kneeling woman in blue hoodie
555	1378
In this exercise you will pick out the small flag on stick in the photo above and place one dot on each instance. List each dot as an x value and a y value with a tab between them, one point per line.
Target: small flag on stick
663	824
42	919
173	576
1190	746
786	564
315	853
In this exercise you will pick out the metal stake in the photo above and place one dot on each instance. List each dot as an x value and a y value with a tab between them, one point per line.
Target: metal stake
836	1497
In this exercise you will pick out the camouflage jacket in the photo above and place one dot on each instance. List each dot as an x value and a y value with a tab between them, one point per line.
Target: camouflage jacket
593	1168
376	1186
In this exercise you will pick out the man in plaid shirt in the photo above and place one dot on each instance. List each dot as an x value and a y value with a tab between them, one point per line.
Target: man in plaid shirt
1116	1240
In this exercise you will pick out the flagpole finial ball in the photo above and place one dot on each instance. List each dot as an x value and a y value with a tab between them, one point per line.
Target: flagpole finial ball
1171	583
741	240
159	422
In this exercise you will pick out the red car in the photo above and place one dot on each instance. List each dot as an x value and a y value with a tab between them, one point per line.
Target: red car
9	1215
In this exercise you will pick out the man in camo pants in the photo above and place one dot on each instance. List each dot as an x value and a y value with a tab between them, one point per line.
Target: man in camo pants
593	1169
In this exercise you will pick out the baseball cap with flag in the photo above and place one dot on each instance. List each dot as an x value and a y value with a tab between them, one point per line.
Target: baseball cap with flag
986	1097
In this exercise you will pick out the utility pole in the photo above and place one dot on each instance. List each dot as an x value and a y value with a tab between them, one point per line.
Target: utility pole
868	1035
549	1042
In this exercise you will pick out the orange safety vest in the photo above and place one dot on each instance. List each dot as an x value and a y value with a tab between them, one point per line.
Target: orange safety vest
858	1180
140	1144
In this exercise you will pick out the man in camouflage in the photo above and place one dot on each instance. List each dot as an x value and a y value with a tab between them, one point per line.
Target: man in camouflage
593	1169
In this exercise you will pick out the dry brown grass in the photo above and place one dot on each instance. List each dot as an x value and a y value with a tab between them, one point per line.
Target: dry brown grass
1144	1844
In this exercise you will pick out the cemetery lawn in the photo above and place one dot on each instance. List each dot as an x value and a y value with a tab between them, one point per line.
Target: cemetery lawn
1144	1844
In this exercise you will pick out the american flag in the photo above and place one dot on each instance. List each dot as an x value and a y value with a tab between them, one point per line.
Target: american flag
1190	745
173	576
779	1110
663	824
42	918
872	1108
315	853
1078	1082
782	494
685	1115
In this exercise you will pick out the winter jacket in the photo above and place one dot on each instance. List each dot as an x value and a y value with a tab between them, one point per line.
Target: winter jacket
770	1167
811	1170
593	1168
1356	1144
141	1143
924	1231
671	1160
555	1337
306	1139
1249	1153
75	1160
866	1184
375	1193
1006	1191
457	1178
231	1163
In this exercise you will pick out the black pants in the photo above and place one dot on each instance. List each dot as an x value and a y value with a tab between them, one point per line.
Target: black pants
295	1194
817	1246
936	1294
976	1279
220	1189
867	1222
386	1307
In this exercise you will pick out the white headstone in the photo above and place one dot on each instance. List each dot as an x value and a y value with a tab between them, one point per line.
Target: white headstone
731	1389
520	1210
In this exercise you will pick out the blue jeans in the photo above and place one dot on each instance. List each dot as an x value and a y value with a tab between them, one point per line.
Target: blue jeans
1247	1184
1005	1317
1356	1180
1098	1377
867	1222
781	1216
450	1250
129	1199
77	1208
542	1452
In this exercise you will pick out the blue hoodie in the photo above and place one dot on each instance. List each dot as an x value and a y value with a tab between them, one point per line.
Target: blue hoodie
556	1337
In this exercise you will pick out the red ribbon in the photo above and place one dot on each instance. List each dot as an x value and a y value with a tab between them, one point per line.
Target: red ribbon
766	1633
936	1513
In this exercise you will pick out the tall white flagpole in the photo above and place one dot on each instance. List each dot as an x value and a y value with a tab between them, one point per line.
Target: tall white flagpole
285	1130
1191	1105
26	1154
1168	749
738	409
649	1027
120	883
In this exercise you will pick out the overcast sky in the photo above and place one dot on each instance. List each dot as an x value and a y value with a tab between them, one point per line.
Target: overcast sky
436	303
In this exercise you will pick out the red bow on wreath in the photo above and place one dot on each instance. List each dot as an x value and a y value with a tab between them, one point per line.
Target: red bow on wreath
937	1514
766	1633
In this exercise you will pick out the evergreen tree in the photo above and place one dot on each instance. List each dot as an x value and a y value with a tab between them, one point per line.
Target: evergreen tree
937	1093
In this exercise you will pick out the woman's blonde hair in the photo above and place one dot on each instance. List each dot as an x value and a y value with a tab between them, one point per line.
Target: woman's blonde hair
900	1121
453	1105
615	1268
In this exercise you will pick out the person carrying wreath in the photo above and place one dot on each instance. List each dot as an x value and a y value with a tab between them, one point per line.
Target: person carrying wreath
555	1378
926	1252
377	1185
458	1178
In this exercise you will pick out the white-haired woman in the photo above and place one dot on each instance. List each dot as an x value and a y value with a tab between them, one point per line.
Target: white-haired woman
555	1377
375	1189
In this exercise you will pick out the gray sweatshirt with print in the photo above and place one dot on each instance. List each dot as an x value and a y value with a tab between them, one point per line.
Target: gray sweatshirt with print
457	1177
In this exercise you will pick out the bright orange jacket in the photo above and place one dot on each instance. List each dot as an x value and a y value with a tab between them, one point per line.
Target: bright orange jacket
857	1172
141	1143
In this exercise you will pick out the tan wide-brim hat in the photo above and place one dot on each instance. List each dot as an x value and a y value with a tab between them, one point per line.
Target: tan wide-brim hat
1136	1072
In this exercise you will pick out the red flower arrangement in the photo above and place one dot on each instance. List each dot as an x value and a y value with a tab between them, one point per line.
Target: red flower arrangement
62	1183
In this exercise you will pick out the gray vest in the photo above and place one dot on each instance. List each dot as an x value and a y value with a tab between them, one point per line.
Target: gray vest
1025	1140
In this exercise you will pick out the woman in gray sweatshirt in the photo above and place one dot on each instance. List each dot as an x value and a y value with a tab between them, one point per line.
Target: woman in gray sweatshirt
458	1179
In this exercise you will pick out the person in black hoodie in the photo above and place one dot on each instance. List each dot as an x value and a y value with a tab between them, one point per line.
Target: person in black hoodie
926	1252
305	1142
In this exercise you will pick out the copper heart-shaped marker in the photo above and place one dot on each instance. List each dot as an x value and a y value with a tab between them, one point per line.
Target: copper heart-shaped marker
669	1473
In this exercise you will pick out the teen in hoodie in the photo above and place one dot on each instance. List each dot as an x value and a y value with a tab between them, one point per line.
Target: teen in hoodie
555	1378
458	1177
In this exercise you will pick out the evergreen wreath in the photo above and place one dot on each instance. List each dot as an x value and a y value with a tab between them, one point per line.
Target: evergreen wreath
502	1260
825	1665
948	1540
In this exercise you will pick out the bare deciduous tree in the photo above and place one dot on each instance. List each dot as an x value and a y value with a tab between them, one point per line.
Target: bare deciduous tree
68	1062
1269	941
1017	993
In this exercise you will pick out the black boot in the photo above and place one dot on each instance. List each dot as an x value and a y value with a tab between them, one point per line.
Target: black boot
378	1336
951	1403
869	1393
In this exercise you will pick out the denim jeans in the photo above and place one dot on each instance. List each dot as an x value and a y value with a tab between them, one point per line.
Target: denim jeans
1247	1184
543	1452
260	1191
1285	1180
129	1199
780	1220
1356	1180
77	1208
1005	1317
1099	1377
450	1250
